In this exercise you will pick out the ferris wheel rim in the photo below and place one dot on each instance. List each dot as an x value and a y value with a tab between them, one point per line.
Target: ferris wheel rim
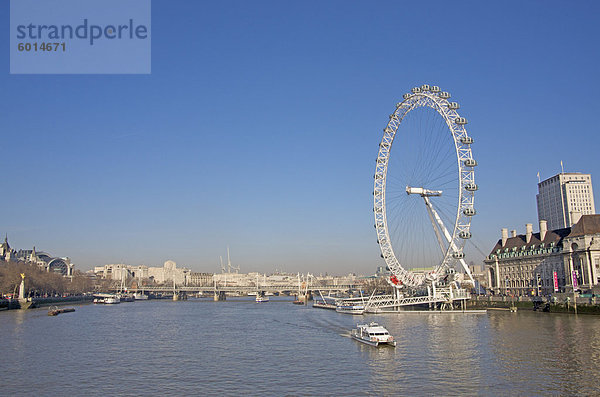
434	98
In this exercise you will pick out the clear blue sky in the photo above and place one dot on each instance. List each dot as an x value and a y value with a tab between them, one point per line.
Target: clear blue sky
259	126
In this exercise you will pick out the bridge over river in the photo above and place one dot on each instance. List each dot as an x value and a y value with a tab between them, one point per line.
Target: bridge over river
222	290
443	298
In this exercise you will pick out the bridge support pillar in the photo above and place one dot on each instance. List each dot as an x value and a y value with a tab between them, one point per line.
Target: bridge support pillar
302	298
179	296
220	296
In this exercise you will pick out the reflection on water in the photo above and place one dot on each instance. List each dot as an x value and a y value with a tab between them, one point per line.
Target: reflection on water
548	353
235	347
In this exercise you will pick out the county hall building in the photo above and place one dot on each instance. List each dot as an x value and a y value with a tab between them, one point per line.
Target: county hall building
552	260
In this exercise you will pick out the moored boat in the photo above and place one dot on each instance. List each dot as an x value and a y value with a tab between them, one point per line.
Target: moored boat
372	334
55	311
350	309
111	300
140	296
125	298
261	299
324	305
107	299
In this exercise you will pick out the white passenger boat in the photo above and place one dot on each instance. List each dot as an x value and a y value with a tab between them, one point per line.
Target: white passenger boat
111	300
350	309
107	299
140	296
372	334
261	299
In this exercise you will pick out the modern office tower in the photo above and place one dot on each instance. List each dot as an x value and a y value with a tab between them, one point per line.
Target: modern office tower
564	198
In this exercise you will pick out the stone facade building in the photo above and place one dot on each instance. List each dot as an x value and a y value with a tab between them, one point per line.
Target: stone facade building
201	279
44	261
551	260
168	273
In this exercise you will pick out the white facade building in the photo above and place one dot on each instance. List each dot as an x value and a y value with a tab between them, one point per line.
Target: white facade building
564	198
169	273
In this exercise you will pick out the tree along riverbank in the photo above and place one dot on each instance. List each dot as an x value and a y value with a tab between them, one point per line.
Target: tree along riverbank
39	282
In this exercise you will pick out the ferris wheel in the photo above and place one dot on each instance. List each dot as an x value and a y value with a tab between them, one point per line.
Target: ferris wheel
424	191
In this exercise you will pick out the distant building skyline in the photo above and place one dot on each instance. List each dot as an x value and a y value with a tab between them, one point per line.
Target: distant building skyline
563	198
123	272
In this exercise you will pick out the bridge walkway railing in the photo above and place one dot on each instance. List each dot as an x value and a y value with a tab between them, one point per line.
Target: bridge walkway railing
375	302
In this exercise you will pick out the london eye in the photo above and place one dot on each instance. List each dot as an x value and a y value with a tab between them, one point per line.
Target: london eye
424	189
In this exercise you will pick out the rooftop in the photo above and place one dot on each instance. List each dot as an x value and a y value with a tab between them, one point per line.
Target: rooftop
588	224
552	236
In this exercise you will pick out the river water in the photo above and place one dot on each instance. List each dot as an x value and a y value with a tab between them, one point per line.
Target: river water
197	347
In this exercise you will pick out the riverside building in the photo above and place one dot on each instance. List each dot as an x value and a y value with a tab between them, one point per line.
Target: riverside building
563	198
168	273
43	260
550	261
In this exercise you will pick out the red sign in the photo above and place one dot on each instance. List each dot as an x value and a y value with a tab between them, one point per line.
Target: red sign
555	281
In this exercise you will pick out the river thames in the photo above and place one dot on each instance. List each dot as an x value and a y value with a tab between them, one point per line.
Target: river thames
198	347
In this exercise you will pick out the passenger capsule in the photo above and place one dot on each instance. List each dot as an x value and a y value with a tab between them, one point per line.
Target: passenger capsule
467	140
435	88
470	163
458	255
460	121
453	105
444	95
471	187
464	235
469	211
424	87
406	96
416	90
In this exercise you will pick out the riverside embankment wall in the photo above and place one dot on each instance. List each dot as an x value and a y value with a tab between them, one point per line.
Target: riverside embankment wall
560	303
